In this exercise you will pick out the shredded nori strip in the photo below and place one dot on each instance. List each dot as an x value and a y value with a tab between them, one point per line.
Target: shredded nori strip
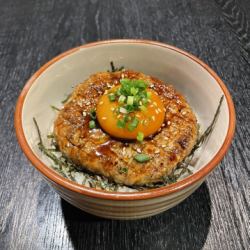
54	108
186	162
113	68
66	99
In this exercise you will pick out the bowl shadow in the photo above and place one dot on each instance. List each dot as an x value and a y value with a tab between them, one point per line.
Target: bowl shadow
185	226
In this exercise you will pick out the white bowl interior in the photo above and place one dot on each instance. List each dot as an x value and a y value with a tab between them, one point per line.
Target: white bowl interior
191	79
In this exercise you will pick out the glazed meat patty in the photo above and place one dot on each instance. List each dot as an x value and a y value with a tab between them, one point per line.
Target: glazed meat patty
97	152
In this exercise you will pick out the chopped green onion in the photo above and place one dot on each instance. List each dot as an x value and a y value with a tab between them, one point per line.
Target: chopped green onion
125	81
134	90
112	97
118	92
123	170
120	124
141	158
142	108
136	100
132	96
144	101
92	124
126	118
122	99
148	95
132	125
130	108
140	84
130	100
140	136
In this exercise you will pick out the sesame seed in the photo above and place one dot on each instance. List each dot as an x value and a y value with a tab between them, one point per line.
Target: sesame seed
156	111
84	113
155	104
101	102
163	125
123	110
163	146
169	122
122	75
157	151
112	109
105	92
104	118
138	150
153	118
79	103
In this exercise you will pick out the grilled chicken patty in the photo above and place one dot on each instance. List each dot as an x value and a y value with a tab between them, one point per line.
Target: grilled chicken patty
96	151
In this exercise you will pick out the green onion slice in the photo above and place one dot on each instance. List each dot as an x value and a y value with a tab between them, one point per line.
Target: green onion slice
133	124
140	136
121	123
112	97
92	124
130	100
122	99
142	158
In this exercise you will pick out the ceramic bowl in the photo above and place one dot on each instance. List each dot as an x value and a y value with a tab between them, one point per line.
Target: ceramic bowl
193	78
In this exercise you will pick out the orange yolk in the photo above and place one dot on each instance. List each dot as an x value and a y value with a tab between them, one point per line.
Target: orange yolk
150	120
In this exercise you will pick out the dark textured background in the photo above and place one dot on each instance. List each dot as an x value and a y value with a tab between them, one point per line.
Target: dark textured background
216	216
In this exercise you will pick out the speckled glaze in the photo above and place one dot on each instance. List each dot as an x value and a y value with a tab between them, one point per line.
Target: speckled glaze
194	79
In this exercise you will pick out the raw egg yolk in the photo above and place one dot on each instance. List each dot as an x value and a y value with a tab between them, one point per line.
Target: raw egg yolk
145	122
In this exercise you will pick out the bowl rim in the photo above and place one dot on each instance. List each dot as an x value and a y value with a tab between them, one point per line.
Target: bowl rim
141	195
